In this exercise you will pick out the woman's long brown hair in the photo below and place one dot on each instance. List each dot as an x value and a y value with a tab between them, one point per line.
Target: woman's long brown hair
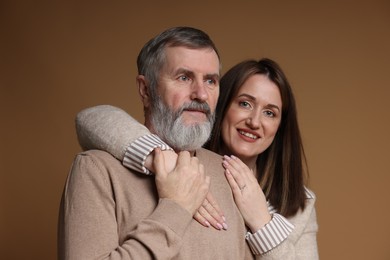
282	168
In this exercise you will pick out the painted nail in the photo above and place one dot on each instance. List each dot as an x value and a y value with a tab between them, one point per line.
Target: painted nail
225	226
207	223
219	226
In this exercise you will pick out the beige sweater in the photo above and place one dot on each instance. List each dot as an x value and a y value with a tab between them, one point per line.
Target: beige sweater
108	212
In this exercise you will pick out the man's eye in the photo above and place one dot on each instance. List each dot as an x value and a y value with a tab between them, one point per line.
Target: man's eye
211	81
183	78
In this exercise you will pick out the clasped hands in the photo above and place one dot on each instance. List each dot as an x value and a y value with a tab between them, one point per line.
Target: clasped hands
181	178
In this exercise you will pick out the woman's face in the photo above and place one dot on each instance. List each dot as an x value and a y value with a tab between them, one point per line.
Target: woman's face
252	119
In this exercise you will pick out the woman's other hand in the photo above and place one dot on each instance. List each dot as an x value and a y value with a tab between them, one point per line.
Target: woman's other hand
209	214
247	192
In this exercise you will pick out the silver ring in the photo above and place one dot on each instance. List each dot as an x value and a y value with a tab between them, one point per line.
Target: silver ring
243	187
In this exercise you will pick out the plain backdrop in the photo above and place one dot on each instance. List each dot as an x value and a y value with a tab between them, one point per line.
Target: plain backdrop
58	57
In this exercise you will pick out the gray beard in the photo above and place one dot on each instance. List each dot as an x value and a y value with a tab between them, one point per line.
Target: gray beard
169	126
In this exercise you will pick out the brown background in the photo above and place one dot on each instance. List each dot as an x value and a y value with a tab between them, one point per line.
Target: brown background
58	58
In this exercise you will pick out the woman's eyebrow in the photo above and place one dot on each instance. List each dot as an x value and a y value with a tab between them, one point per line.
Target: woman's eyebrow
247	96
273	106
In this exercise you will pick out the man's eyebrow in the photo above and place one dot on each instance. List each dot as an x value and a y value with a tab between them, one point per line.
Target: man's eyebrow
190	72
215	76
183	71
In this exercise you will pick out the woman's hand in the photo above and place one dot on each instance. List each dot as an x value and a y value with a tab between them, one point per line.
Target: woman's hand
247	192
209	214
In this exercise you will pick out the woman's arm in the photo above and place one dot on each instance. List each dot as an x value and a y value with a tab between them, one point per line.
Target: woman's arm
272	236
302	242
108	128
111	129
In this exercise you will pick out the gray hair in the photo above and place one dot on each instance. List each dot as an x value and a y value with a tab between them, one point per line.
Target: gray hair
152	56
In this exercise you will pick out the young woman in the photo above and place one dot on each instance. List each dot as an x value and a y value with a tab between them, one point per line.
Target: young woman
256	130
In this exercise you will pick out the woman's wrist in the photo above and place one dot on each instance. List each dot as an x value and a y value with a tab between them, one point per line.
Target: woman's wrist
170	158
260	222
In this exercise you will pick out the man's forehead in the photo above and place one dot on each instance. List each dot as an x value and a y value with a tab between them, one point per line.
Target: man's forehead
202	59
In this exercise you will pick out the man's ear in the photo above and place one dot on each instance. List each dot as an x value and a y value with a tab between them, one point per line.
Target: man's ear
143	89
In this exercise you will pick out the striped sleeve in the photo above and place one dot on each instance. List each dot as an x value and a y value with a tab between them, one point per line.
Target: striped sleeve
271	235
138	150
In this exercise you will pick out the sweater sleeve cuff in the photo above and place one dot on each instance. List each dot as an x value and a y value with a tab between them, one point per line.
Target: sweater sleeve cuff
269	236
138	150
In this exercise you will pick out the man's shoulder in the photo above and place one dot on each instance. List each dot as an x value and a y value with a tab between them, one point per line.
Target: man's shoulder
98	162
99	159
209	158
202	152
98	154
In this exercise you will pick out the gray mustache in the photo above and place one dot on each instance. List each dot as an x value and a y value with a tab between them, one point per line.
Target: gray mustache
204	107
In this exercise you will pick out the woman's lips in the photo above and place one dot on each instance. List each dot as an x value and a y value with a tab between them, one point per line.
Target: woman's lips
248	135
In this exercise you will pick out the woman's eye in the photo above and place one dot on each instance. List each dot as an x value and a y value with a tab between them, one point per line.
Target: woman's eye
244	104
269	113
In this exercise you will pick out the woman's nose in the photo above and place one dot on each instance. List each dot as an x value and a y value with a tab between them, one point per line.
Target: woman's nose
254	120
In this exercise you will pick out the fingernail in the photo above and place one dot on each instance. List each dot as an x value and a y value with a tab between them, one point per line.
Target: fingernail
225	226
207	223
224	219
219	226
226	157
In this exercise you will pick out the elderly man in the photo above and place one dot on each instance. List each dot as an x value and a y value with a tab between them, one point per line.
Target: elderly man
110	212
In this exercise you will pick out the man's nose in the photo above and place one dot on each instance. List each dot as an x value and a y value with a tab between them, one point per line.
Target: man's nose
199	91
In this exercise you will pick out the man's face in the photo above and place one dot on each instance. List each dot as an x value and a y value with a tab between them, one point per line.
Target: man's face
182	113
189	75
